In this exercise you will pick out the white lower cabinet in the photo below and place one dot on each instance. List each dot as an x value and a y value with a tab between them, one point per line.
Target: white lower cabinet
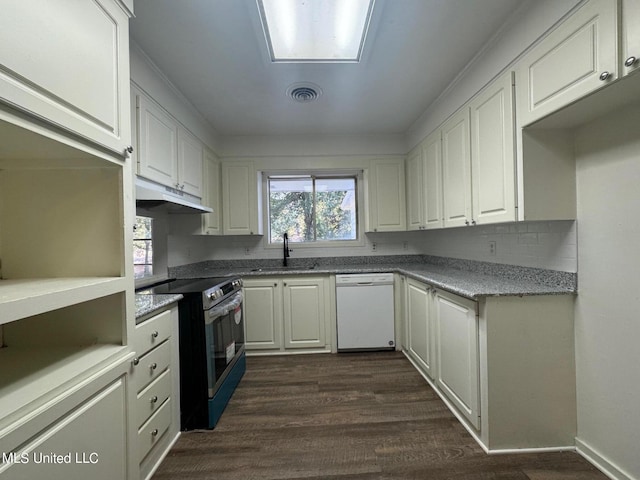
287	313
156	385
504	365
419	321
263	313
457	339
83	433
304	313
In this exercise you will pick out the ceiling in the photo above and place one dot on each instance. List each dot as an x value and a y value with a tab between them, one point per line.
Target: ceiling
215	53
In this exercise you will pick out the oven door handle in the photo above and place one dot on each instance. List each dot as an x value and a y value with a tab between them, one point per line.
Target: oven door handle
224	308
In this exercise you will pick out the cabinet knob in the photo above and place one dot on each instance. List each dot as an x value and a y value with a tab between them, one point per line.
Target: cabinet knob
135	361
155	334
154	399
275	284
154	432
128	151
630	61
605	76
473	222
466	222
153	366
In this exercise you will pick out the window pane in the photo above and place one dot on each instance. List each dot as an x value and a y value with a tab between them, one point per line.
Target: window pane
291	209
143	247
336	209
330	214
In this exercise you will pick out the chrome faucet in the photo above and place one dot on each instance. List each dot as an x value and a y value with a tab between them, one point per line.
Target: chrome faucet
285	239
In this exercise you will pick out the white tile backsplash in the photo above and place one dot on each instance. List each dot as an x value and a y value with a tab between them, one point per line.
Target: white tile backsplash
549	245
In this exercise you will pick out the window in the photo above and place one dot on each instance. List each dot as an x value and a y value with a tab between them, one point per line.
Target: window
143	247
312	208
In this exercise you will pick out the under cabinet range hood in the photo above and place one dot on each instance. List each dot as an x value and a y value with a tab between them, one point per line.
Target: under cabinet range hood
151	195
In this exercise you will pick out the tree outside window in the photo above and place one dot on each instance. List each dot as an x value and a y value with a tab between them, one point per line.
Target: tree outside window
312	208
143	247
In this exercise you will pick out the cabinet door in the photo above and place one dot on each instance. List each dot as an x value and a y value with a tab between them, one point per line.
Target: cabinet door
240	197
432	180
456	170
420	326
415	190
212	194
386	196
68	62
263	314
93	436
157	143
493	154
189	163
569	62
458	361
305	313
630	36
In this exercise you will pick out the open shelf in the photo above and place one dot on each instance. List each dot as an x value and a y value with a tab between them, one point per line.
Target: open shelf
27	297
30	376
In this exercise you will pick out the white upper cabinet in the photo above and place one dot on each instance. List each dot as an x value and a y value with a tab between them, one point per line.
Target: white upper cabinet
456	170
189	163
432	180
68	63
167	152
415	190
212	194
576	58
157	142
493	153
630	36
385	196
424	184
241	192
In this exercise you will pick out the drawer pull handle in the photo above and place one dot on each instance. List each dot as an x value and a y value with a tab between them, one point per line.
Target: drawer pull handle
155	334
154	432
153	366
135	361
154	399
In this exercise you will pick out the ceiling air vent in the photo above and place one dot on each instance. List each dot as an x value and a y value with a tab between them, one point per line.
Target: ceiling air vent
304	92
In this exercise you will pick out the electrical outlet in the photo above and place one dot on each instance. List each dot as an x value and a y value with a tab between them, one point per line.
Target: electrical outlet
492	248
247	251
405	246
374	247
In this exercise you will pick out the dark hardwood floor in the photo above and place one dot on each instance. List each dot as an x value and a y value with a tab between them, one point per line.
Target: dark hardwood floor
347	417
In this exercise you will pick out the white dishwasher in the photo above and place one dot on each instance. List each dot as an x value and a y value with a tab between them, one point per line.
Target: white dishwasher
365	312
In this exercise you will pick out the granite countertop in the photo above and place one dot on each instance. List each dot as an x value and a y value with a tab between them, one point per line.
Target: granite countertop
469	279
147	304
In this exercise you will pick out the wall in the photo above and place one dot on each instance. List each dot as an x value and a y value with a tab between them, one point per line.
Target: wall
527	25
607	324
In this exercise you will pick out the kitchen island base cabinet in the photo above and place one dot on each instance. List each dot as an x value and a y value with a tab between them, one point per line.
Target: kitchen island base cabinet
287	314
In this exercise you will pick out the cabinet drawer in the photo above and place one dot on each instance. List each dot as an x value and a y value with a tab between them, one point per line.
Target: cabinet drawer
150	399
152	332
150	366
151	432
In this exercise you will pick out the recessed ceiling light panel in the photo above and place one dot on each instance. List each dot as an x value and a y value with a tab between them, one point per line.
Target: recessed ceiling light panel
315	30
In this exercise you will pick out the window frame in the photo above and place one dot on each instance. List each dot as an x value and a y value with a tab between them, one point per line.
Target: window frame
358	175
150	241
